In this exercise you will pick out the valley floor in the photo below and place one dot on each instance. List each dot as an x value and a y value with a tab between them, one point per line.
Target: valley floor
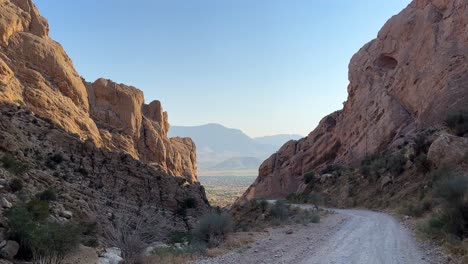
348	236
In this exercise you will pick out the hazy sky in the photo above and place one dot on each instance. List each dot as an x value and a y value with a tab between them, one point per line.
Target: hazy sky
263	66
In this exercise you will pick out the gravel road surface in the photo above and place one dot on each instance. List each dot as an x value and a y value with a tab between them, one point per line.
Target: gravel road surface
346	237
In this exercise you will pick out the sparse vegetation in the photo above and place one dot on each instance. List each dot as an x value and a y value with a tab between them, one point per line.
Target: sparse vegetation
452	188
41	240
47	195
179	237
16	185
309	178
416	210
213	228
458	123
54	160
377	164
13	165
129	233
280	210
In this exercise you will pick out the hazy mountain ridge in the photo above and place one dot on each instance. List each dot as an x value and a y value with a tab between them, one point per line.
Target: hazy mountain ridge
277	140
216	143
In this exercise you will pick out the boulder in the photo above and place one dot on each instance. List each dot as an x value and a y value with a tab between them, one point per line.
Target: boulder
9	250
449	150
111	256
66	214
5	203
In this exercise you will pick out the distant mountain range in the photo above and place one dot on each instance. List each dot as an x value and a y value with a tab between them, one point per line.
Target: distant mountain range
223	148
238	163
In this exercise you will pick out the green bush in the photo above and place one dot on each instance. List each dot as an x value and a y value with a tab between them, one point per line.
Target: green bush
179	237
296	198
458	123
416	210
47	195
309	177
421	143
213	228
263	204
280	210
16	185
38	209
54	239
396	163
376	165
452	188
315	218
38	237
316	199
14	166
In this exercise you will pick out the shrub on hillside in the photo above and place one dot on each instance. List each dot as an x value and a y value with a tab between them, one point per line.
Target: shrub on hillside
297	198
458	123
309	177
47	195
213	228
316	199
16	185
14	166
40	239
280	210
376	165
421	144
452	188
179	237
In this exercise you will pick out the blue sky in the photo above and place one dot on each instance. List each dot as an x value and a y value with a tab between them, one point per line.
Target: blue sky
263	66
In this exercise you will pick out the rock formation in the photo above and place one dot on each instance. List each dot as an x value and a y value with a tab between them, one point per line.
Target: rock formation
103	151
36	72
92	183
410	77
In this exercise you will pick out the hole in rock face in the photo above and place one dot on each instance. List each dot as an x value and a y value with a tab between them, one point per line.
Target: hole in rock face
386	62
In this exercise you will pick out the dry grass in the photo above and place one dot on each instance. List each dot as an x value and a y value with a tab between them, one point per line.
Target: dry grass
233	242
173	259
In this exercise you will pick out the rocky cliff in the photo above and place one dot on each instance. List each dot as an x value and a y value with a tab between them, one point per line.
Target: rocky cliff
97	148
36	72
409	78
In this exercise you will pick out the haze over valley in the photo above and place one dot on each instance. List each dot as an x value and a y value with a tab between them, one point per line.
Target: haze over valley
223	151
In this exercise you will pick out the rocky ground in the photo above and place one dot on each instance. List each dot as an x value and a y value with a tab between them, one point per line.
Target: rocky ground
349	236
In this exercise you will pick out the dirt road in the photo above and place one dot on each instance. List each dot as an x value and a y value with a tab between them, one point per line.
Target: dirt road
349	236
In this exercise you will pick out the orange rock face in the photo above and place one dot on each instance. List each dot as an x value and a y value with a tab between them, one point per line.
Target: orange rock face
35	71
410	77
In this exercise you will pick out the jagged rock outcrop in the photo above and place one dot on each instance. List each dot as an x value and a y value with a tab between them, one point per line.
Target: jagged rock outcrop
36	72
410	77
